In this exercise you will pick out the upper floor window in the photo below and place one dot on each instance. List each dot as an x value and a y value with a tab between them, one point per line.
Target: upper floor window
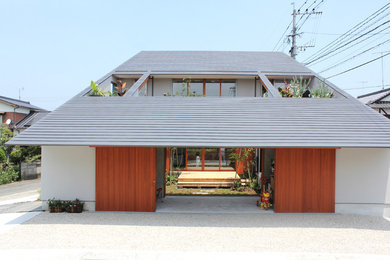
206	88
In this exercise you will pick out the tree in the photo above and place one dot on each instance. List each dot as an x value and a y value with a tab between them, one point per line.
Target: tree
245	156
2	156
5	136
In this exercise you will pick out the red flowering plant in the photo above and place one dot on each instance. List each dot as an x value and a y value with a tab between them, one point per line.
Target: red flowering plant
75	206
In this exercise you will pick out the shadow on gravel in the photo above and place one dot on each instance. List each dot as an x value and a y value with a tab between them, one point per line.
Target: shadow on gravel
214	220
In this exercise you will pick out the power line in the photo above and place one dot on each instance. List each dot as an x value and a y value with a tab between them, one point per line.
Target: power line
299	9
307	17
343	50
282	36
305	10
346	44
377	86
342	62
348	33
336	33
361	65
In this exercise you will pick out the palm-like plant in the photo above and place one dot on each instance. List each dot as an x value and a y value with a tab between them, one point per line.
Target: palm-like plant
121	88
95	90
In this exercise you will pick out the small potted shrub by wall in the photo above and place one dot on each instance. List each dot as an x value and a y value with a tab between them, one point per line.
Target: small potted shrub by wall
75	206
51	204
59	206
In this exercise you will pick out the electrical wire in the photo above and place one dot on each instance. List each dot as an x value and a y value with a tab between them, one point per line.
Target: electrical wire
344	61
282	37
307	17
357	43
377	86
348	33
349	42
333	33
358	66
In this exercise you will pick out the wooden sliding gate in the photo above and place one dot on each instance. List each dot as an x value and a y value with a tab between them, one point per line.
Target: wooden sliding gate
125	179
304	180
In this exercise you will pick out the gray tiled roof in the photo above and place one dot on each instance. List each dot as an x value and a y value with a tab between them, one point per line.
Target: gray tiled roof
19	103
31	119
374	96
212	61
210	122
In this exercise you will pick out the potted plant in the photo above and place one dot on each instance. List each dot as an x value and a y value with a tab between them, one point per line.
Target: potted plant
58	206
75	206
51	203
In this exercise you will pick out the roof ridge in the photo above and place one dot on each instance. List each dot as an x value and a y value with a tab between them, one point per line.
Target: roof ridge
374	93
14	99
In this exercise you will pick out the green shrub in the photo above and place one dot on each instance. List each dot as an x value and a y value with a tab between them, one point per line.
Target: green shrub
34	158
8	174
15	156
237	185
255	185
2	156
171	179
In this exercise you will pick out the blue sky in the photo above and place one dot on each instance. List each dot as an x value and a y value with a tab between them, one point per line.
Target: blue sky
53	49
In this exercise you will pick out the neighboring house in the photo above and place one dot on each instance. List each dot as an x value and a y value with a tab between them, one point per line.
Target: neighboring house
18	115
378	100
328	154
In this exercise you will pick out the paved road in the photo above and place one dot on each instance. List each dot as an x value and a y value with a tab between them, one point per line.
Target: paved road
20	196
19	189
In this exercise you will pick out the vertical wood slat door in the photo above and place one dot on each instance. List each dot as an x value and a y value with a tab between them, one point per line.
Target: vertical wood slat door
125	179
304	180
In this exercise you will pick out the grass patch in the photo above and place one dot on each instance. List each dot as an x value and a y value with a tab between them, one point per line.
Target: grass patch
174	190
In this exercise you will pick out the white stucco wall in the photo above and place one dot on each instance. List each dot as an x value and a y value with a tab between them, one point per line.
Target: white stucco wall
8	108
68	172
245	87
363	181
161	86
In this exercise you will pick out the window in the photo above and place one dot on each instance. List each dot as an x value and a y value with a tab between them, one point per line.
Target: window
228	88
179	88
213	88
195	88
207	88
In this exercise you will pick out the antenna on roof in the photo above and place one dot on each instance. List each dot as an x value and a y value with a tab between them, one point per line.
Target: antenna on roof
20	89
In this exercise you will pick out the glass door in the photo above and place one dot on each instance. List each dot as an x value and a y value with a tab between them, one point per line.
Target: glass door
194	159
211	159
227	164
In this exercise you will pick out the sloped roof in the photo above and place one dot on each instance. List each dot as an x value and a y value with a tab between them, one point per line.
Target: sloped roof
31	119
211	61
374	96
210	122
19	103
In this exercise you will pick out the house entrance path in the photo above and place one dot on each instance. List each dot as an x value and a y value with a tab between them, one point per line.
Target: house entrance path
209	204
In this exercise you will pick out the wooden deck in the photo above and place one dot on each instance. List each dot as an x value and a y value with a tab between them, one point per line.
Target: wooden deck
207	179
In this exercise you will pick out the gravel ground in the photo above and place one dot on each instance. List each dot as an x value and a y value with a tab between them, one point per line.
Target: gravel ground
224	233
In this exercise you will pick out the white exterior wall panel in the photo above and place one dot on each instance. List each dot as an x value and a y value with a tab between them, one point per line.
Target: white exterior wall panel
162	86
363	181
246	87
68	172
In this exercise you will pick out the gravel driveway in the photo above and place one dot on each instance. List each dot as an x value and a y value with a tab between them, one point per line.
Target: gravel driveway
159	235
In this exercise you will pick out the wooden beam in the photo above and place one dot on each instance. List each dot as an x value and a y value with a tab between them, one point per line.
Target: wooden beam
138	84
272	91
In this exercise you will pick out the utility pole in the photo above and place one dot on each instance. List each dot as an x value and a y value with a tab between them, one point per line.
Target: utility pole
294	30
293	50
